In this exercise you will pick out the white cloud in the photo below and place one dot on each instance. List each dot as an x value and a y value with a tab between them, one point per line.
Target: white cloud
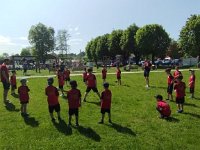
75	41
77	33
76	28
5	41
23	38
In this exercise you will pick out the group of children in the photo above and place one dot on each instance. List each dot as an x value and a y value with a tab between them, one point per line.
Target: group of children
175	83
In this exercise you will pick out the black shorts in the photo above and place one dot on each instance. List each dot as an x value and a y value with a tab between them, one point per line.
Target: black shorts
104	110
84	80
192	90
73	111
24	102
67	79
103	77
93	88
6	85
54	107
61	87
146	73
118	78
170	89
13	87
180	100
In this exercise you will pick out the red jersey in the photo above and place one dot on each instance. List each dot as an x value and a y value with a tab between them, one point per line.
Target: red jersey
118	73
180	89
61	80
52	95
91	80
84	75
74	98
13	80
192	81
23	93
104	72
5	69
164	108
147	65
66	74
177	73
170	79
106	97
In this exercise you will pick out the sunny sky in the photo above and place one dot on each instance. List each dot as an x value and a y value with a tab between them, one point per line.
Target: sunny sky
86	19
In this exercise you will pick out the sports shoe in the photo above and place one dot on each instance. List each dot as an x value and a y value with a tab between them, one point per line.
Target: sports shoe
77	125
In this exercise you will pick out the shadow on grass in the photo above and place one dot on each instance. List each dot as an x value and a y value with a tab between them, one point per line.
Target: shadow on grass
62	127
159	87
31	121
172	119
89	133
122	129
188	104
15	95
192	114
196	98
96	103
11	107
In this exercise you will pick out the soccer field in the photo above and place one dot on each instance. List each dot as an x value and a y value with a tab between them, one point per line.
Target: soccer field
135	122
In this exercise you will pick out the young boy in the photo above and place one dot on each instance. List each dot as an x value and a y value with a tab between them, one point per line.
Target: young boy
91	84
23	97
84	75
66	75
61	81
104	73
162	107
106	97
180	93
13	82
52	99
147	68
192	83
170	82
74	101
177	73
118	74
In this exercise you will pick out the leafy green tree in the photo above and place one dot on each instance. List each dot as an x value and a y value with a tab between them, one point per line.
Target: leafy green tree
174	50
26	51
88	50
152	40
42	39
102	48
190	36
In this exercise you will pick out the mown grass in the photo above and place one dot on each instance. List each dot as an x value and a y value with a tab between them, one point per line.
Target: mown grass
135	122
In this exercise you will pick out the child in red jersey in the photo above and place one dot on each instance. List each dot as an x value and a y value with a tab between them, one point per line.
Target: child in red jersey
74	101
61	81
118	74
177	73
106	97
170	83
66	75
180	94
104	72
91	84
13	82
162	107
52	99
23	97
84	75
192	83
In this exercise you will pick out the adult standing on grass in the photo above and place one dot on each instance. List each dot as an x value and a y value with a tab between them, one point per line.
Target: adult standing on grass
147	67
5	79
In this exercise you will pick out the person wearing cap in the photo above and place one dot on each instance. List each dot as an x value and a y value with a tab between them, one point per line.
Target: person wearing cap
179	89
192	83
52	99
162	107
13	82
170	83
74	101
106	97
4	73
66	74
91	84
104	73
23	97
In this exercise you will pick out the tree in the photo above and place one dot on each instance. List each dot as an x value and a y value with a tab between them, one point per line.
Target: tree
61	41
173	50
128	42
190	36
152	40
42	40
26	51
5	55
88	50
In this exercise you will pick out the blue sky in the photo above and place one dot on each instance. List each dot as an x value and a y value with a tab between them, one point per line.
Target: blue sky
86	19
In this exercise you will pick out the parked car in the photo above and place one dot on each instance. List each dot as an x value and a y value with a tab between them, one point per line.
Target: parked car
167	62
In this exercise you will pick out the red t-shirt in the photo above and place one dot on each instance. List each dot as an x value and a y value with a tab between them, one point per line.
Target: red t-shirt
84	75
118	73
74	98
4	68
66	74
164	108
170	79
52	95
23	93
61	80
147	65
13	80
106	96
177	73
180	89
91	80
192	81
104	71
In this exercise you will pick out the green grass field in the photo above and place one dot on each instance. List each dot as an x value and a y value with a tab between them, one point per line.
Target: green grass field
135	122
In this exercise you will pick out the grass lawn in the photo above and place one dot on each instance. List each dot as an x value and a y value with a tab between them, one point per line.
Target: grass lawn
135	123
